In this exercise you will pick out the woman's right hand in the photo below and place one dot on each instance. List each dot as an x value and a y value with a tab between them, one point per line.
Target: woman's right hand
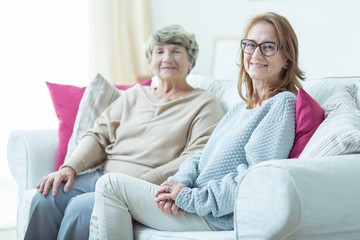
54	179
165	197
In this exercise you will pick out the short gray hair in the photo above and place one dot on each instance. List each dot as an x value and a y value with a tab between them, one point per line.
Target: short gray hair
174	34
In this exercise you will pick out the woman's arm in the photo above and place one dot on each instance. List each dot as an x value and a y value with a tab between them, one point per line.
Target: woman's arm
90	151
272	139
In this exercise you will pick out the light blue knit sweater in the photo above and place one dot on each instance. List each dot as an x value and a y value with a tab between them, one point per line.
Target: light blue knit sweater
242	139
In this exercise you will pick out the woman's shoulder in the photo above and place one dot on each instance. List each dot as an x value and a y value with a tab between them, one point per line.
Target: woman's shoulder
281	101
136	89
285	96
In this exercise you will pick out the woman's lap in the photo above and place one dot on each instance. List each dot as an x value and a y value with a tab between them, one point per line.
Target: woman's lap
47	212
139	197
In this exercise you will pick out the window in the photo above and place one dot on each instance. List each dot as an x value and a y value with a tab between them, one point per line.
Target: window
41	41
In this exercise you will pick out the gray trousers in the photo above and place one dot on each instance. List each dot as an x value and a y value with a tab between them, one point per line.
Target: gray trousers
65	216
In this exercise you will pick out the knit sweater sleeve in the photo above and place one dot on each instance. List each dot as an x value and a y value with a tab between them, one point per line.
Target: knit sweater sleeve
216	198
188	170
272	138
90	151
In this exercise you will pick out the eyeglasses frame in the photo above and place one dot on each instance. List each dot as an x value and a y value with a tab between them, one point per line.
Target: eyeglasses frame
278	46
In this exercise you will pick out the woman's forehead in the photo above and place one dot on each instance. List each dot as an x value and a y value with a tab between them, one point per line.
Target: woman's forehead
262	32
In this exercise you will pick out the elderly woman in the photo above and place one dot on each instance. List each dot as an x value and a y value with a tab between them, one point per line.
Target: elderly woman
146	133
200	196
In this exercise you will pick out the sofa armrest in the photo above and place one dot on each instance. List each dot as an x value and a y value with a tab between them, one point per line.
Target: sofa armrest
31	155
300	199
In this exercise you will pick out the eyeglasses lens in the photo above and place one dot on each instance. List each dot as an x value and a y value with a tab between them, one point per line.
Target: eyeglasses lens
266	48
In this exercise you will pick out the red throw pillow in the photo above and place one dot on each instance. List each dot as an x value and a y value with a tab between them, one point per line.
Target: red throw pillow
309	115
66	100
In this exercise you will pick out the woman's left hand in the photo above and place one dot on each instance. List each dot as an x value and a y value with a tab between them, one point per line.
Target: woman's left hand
169	207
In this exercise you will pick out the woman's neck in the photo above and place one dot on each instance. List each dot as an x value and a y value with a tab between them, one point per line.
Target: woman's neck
172	93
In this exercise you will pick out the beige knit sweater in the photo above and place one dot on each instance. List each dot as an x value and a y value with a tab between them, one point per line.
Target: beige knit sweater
147	137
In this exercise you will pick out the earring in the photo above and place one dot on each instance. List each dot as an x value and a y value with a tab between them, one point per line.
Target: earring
286	64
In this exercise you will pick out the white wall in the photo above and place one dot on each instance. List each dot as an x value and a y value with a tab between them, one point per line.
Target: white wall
328	30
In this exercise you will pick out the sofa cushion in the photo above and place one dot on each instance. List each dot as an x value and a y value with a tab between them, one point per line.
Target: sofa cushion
66	100
323	88
339	133
309	115
142	232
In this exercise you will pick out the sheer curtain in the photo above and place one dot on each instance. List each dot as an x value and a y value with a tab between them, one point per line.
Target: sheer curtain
41	41
65	42
119	30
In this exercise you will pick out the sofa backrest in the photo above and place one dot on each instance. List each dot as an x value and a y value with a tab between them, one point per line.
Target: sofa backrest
322	88
226	89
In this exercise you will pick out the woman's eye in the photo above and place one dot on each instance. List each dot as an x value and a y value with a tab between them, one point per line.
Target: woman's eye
269	47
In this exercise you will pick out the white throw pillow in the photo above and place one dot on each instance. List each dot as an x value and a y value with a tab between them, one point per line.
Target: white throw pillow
97	97
339	133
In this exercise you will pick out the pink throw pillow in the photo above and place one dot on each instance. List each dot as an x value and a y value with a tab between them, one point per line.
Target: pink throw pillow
66	100
309	115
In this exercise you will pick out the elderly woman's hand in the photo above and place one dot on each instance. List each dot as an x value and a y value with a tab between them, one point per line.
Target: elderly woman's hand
54	179
166	195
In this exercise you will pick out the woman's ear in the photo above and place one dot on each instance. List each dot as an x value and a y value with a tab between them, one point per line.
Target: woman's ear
286	64
190	66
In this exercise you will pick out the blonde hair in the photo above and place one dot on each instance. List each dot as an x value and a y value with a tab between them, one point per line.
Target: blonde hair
288	46
174	34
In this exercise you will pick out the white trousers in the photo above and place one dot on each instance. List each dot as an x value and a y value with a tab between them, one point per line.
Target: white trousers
120	199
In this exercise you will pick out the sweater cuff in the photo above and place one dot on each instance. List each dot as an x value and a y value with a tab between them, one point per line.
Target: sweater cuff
69	166
76	167
183	199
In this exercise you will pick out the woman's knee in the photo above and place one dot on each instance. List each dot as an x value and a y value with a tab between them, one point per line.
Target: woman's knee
47	203
107	181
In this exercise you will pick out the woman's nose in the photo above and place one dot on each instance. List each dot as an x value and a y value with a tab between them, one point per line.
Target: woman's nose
167	56
257	52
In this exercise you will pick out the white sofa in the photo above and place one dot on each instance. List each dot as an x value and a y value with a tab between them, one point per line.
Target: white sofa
305	198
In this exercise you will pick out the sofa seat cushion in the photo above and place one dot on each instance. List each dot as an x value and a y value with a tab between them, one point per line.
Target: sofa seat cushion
144	233
280	199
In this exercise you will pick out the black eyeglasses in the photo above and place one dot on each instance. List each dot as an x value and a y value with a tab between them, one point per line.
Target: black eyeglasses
266	48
